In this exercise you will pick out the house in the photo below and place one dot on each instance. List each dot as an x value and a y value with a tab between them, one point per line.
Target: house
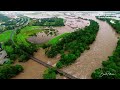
3	55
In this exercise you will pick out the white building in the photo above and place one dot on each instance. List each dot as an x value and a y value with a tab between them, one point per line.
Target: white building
3	54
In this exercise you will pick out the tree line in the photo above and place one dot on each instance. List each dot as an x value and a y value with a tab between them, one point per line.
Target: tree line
3	18
20	51
49	22
8	71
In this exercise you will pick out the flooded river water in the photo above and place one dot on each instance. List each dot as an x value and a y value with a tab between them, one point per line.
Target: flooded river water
71	23
90	60
34	70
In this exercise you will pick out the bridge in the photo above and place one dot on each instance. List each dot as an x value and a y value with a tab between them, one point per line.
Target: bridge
40	61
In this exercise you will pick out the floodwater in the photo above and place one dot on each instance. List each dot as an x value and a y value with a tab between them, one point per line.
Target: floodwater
90	60
40	38
71	23
34	70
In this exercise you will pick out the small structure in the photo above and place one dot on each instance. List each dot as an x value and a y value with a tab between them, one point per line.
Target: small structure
3	54
112	21
49	63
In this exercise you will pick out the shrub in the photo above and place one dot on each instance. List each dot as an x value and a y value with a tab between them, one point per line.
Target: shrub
8	71
59	65
45	46
50	73
23	58
9	62
66	59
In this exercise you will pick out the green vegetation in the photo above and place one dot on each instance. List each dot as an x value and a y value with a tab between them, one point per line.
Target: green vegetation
66	59
15	23
16	52
50	73
111	67
50	31
56	39
26	32
74	43
2	29
9	62
3	18
8	71
49	22
29	29
5	36
20	51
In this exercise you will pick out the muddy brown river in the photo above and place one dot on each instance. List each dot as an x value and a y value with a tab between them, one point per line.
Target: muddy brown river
90	60
34	70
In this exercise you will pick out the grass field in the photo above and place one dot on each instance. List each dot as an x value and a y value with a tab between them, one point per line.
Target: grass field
56	39
25	33
5	36
22	36
29	29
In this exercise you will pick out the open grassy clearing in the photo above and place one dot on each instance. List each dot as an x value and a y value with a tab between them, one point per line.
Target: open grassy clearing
5	35
25	33
56	39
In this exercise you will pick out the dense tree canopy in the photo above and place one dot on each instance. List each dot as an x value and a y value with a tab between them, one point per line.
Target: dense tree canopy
49	22
50	73
74	43
4	18
7	71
